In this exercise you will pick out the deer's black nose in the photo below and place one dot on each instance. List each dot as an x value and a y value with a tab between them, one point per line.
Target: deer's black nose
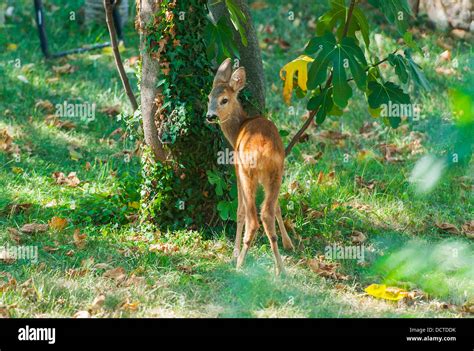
211	117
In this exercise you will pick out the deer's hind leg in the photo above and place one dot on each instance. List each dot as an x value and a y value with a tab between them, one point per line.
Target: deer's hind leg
287	244
269	210
248	186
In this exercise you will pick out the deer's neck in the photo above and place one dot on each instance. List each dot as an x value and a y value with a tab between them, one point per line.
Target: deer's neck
231	126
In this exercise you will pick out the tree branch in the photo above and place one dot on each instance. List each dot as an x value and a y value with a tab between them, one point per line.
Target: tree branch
307	123
118	61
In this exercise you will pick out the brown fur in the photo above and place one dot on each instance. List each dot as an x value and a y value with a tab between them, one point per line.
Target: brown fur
260	157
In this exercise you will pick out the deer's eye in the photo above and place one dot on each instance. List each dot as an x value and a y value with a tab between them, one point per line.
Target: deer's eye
224	101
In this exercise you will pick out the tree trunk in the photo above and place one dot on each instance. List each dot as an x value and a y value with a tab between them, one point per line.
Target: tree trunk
458	14
176	78
148	84
250	56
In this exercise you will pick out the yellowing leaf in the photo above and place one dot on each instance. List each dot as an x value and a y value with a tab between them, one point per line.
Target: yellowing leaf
134	204
299	65
58	223
17	170
109	51
382	291
130	306
12	47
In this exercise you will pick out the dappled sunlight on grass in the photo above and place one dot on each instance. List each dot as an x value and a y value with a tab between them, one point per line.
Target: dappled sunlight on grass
443	269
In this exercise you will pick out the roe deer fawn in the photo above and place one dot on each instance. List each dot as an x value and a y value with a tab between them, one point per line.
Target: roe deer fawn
254	139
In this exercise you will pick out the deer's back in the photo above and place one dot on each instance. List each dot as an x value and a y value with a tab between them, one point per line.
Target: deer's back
261	145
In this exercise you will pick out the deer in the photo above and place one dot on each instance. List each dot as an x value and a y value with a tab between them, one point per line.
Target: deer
259	158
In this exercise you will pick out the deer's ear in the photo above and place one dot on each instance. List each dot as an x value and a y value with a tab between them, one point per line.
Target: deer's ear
224	72
238	79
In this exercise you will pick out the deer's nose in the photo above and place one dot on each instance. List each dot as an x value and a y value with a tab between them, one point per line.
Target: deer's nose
211	117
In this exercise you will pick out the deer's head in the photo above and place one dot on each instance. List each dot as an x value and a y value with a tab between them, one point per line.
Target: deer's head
223	99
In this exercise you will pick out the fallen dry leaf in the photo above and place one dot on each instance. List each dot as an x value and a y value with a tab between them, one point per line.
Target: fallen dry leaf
98	303
64	69
102	266
315	214
82	314
79	239
445	55
6	140
448	227
358	237
447	71
130	306
50	249
71	180
325	269
258	5
115	273
111	111
44	105
468	229
56	121
165	248
370	185
58	223
320	177
11	283
4	312
13	209
333	135
388	151
14	235
309	159
34	228
134	281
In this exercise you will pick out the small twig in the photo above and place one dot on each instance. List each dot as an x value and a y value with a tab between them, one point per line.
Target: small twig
118	61
307	123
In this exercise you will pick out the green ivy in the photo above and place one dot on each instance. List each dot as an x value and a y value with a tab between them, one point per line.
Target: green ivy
178	194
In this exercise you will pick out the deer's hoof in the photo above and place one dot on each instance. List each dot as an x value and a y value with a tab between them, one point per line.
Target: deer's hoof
280	272
288	245
236	253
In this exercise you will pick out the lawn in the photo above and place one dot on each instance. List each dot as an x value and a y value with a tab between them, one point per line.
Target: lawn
348	184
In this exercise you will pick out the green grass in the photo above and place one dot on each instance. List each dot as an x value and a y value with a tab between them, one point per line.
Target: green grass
199	278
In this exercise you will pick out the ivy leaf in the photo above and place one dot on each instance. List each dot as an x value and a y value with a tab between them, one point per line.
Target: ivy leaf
223	209
384	94
416	73
399	62
396	11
